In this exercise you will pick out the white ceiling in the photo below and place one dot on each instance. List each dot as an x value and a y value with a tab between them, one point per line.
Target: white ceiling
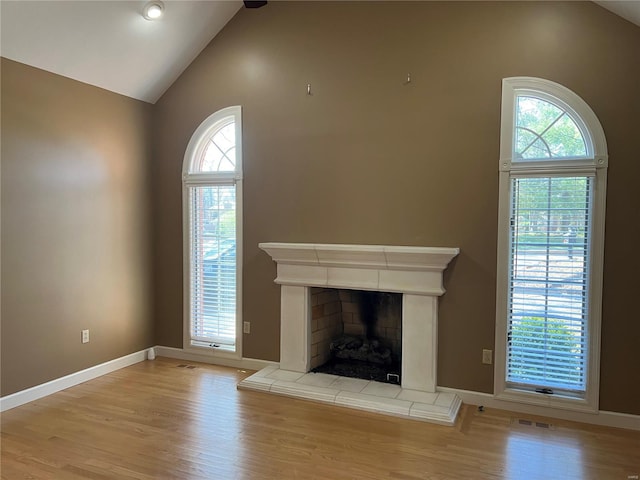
110	45
629	9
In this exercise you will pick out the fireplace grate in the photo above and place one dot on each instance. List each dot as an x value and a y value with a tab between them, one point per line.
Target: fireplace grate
364	370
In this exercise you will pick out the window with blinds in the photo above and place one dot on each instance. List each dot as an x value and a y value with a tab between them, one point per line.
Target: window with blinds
212	178
548	282
213	264
553	173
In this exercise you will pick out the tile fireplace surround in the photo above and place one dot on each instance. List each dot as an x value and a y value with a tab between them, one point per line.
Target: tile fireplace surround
415	272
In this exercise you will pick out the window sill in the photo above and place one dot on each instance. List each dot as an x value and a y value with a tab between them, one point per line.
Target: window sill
204	348
544	400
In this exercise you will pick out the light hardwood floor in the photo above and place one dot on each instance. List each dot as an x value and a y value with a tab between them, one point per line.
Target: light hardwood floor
158	420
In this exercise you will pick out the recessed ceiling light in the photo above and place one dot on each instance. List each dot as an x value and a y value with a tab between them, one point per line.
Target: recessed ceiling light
153	10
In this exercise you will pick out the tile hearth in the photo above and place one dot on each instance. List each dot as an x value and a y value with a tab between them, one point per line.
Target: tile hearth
434	407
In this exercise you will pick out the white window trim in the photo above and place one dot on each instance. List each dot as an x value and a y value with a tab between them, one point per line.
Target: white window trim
595	164
194	149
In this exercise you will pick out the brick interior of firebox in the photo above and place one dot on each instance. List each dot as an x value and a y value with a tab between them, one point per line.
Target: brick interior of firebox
336	313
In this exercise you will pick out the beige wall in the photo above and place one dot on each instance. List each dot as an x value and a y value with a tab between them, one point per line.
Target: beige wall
366	159
369	160
75	236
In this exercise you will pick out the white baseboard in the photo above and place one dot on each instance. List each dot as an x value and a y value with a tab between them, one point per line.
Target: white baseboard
181	354
34	393
602	417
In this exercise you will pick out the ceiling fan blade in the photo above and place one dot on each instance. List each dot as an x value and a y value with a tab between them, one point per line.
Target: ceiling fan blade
255	4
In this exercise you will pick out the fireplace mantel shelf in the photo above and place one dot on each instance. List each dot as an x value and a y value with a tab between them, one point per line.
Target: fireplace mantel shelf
361	256
416	270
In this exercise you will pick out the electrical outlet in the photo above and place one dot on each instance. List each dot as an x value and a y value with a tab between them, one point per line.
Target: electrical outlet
487	356
246	327
85	336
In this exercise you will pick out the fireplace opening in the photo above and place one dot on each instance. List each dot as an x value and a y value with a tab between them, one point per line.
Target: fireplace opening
356	333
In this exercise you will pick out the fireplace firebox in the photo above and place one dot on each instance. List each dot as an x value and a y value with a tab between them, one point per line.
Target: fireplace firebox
356	333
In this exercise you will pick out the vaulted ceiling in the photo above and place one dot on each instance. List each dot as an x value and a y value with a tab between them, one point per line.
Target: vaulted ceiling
110	45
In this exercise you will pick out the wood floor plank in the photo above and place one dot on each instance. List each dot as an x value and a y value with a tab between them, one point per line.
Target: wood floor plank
157	420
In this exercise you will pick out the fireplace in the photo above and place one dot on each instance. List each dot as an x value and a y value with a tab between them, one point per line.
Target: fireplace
356	333
414	273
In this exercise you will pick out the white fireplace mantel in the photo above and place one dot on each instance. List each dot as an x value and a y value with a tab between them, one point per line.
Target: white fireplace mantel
414	270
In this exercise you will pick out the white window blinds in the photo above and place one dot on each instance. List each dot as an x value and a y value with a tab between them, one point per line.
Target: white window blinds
213	264
548	283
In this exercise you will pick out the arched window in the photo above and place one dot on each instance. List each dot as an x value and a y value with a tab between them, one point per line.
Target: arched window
545	130
212	194
553	165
